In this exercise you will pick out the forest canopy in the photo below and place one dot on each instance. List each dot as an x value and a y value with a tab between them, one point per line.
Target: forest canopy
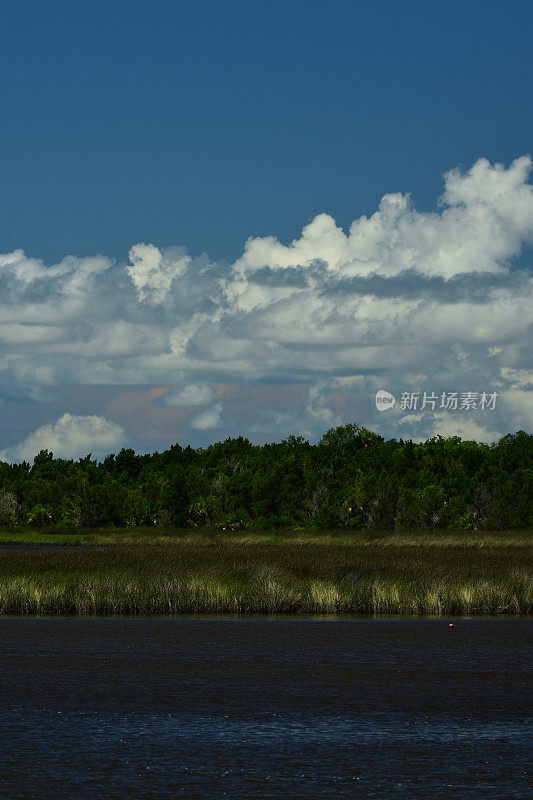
352	479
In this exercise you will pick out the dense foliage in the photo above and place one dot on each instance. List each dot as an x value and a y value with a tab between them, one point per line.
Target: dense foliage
351	479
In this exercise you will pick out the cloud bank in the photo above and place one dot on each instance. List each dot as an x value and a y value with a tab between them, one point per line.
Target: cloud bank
403	300
70	437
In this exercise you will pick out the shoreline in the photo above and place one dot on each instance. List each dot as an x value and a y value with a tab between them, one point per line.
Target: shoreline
252	617
475	574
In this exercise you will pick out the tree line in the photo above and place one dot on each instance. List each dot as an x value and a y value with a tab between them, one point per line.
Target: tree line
352	479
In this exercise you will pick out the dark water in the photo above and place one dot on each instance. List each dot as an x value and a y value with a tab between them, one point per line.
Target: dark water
170	708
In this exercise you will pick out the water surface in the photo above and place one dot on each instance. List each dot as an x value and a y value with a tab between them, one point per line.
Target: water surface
264	708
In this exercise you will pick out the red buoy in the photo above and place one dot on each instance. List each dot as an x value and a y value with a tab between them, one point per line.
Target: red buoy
452	625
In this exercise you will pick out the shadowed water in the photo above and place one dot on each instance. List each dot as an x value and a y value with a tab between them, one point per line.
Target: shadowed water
264	708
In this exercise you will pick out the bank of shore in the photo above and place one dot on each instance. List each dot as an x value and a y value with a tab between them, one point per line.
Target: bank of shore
144	572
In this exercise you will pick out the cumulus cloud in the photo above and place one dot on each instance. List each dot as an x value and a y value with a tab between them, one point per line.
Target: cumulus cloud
153	272
446	424
404	299
71	436
487	216
211	418
195	394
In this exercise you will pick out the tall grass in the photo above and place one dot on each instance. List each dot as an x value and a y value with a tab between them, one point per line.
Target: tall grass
298	573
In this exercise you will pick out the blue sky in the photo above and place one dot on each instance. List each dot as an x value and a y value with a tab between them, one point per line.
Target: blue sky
203	124
190	129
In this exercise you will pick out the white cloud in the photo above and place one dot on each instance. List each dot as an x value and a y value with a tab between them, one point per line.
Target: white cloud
153	272
486	219
447	424
211	418
402	293
195	394
519	403
70	436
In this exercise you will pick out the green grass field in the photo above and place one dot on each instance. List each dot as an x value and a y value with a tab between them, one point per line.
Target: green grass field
142	572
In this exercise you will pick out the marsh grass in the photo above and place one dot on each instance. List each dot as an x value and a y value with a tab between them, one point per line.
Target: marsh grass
292	572
199	536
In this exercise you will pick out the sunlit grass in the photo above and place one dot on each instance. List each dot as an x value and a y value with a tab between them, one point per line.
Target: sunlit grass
192	572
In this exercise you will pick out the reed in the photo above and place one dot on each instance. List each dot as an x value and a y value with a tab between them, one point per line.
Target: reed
485	574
